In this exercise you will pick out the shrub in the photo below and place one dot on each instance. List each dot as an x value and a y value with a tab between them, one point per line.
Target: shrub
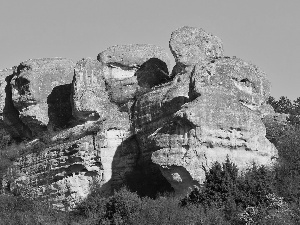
225	190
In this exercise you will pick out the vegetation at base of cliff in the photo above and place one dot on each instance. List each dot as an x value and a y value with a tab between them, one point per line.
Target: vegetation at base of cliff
257	196
286	106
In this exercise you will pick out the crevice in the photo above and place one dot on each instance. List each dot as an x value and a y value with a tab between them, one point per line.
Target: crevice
121	66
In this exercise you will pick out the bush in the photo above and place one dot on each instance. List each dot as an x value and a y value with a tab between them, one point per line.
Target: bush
225	190
17	210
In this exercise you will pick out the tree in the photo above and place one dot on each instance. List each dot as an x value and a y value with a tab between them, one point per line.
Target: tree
284	105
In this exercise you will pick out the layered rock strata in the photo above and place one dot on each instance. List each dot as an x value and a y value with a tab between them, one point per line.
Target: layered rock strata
216	111
107	117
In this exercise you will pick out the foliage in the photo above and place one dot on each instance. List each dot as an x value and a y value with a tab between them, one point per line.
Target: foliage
125	207
17	210
147	184
256	196
226	190
284	105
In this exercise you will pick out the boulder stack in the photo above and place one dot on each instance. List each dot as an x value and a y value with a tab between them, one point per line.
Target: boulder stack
100	121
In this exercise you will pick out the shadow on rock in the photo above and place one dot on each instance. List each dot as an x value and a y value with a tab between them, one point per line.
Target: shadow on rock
59	107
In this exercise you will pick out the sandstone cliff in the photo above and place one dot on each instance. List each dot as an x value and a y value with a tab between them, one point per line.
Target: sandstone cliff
97	121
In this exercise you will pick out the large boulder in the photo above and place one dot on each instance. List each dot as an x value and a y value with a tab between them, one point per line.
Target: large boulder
206	130
33	82
201	117
130	118
191	45
248	83
121	63
89	96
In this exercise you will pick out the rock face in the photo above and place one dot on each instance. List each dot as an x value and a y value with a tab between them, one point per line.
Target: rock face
123	67
89	97
74	161
123	111
203	115
36	85
191	45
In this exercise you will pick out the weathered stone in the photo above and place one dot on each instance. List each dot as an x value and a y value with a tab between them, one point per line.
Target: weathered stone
201	117
190	45
89	96
207	130
66	171
247	81
121	64
131	57
32	84
130	114
265	110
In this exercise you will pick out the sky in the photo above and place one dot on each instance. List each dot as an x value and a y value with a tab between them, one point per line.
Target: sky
263	32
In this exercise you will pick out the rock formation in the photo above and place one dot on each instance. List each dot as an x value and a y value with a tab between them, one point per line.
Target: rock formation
100	120
190	45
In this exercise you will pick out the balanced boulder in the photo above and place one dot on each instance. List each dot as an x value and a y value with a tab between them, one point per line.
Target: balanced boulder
190	45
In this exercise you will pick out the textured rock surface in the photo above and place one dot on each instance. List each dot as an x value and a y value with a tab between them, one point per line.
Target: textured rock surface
74	161
33	82
191	45
266	110
246	81
125	112
206	130
201	117
89	96
63	172
121	63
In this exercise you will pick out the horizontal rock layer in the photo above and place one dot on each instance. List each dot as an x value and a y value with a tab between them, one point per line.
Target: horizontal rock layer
110	120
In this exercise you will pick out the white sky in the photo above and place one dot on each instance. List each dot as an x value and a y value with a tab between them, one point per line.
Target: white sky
264	32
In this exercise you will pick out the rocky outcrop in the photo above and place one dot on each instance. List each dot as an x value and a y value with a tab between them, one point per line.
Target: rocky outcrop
191	45
215	112
89	96
37	90
124	66
62	173
89	136
123	111
207	130
246	81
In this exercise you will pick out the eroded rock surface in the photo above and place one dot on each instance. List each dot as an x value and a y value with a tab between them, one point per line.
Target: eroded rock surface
33	82
89	96
191	45
124	65
125	111
65	167
207	112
